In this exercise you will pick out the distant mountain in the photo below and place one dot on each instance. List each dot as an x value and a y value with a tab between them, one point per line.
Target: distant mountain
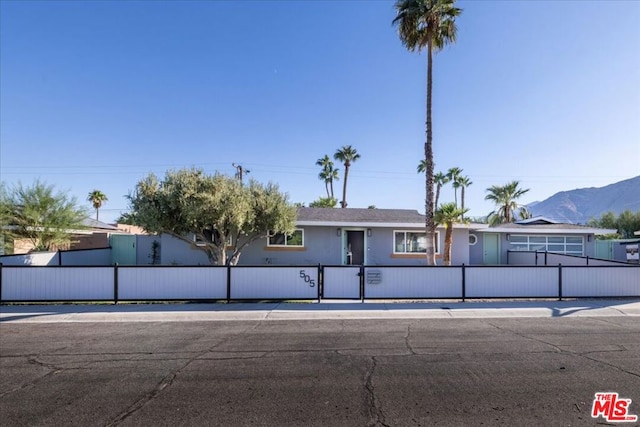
580	205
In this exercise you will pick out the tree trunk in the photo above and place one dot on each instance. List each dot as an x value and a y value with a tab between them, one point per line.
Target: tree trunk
435	203
462	199
97	214
343	203
448	243
331	186
428	155
326	187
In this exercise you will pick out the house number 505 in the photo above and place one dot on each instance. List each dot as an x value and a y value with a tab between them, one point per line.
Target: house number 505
307	278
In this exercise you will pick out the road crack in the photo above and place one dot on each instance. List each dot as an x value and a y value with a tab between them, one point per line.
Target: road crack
407	340
561	350
376	415
169	379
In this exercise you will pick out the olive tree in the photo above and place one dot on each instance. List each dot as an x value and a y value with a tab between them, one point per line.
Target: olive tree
216	211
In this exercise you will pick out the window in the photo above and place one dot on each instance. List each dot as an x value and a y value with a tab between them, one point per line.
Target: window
211	236
411	242
473	239
295	239
569	245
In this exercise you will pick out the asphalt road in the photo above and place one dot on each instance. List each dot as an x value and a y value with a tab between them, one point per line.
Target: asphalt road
395	372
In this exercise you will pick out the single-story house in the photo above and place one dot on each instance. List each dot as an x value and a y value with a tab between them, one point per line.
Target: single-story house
492	244
331	236
334	236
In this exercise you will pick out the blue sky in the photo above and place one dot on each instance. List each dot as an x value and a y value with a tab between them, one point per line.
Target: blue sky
94	95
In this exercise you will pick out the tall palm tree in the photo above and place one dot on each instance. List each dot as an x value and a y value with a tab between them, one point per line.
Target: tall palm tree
97	198
505	198
328	174
463	183
439	180
347	155
427	24
454	174
447	215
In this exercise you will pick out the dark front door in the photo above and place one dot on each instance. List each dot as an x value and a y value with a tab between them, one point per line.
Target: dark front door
355	247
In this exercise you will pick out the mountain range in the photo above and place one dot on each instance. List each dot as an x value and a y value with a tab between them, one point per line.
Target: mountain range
580	205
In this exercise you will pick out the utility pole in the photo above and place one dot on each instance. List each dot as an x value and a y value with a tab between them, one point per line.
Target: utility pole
240	171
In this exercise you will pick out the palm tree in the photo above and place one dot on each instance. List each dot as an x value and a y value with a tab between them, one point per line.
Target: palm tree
328	174
463	182
447	215
427	24
454	174
97	198
346	155
524	213
439	179
505	198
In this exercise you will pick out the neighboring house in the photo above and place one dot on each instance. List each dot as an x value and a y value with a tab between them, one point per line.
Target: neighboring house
492	244
131	229
332	236
93	235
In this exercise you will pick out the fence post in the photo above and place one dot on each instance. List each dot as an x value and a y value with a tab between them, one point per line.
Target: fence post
0	282
361	274
228	284
115	283
464	283
559	282
59	257
320	280
587	259
545	257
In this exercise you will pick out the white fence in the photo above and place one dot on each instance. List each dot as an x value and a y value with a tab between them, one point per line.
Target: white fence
413	282
172	283
148	283
74	257
37	258
57	284
274	282
511	282
600	281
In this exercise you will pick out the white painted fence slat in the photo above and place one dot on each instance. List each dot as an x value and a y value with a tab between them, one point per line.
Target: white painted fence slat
413	282
511	282
165	283
274	282
57	284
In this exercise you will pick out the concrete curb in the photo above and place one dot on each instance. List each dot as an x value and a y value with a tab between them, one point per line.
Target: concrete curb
301	311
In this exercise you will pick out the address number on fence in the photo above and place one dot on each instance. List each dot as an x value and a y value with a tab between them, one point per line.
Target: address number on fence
307	278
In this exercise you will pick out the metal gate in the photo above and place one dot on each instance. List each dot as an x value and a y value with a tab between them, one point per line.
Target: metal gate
123	249
341	282
604	249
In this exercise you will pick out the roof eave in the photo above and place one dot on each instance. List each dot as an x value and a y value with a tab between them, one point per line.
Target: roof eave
369	224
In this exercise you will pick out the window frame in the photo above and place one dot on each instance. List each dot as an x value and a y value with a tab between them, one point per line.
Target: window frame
524	242
405	253
285	245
